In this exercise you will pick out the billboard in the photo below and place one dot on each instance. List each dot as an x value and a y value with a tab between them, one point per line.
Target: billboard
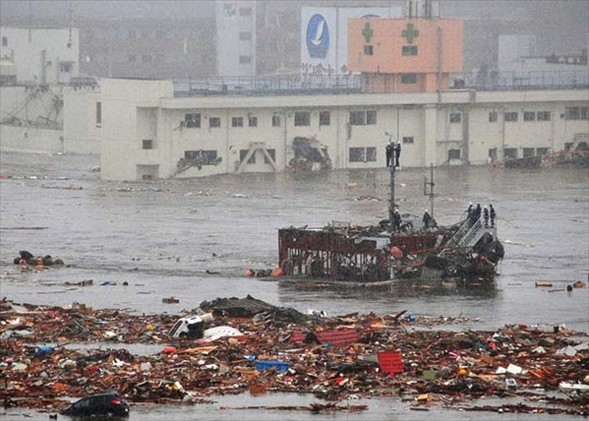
324	36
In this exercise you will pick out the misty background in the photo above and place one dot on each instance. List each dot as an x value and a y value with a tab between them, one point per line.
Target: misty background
560	27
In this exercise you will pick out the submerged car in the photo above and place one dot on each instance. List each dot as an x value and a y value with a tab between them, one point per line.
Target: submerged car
191	327
106	404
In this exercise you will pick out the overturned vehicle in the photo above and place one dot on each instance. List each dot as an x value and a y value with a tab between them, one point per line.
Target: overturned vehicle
310	156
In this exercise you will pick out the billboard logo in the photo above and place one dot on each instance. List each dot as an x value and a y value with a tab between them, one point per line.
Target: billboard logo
317	36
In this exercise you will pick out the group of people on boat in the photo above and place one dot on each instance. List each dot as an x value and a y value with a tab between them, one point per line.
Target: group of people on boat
474	214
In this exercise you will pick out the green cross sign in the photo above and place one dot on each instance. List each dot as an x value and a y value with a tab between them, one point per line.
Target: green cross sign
410	33
367	32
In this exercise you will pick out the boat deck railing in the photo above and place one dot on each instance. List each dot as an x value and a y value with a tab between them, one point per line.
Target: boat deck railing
469	233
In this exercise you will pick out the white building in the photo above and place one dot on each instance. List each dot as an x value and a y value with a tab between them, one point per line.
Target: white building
41	55
146	133
324	36
520	65
236	37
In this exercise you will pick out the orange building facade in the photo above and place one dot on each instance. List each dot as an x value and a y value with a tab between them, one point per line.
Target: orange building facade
405	55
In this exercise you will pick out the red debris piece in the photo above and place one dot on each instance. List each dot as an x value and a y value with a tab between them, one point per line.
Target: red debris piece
390	362
338	337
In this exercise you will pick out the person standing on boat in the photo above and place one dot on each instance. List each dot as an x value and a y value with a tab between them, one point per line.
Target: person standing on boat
493	214
397	154
486	216
469	210
427	219
397	220
389	150
477	212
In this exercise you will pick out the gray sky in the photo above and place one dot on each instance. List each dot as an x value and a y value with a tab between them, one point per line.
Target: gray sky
564	24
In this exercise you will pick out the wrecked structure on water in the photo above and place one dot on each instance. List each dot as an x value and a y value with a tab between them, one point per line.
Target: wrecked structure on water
466	253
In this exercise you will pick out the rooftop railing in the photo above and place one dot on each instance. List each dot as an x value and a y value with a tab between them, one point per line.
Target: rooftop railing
346	84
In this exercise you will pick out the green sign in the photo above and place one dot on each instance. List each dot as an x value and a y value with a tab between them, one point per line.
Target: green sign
367	32
410	33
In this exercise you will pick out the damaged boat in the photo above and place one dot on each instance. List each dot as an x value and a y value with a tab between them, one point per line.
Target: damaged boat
463	255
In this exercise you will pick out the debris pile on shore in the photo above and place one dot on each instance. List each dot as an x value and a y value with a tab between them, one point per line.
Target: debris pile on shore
254	347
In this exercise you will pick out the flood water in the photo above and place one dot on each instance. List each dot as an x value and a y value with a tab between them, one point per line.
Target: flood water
194	239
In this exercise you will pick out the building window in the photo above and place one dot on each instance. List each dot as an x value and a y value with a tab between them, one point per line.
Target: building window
275	120
529	116
65	67
408	78
192	120
98	113
245	59
407	140
202	157
543	115
253	121
368	50
542	151
409	50
528	152
236	121
147	144
272	153
455	117
493	154
362	154
510	153
243	153
245	11
324	118
245	36
214	122
493	117
575	113
453	154
302	118
362	118
510	116
5	41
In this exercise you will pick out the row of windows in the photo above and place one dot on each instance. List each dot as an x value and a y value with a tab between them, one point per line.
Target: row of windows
406	50
363	118
570	113
301	118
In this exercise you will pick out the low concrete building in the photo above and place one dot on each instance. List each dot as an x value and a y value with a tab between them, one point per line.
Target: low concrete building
42	56
147	133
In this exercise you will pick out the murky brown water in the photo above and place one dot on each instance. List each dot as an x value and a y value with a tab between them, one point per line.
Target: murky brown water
162	237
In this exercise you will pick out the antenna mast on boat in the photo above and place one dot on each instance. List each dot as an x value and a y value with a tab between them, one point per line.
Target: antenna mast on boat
392	158
431	189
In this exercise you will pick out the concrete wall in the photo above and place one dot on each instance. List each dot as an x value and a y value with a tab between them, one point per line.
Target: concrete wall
31	139
81	133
